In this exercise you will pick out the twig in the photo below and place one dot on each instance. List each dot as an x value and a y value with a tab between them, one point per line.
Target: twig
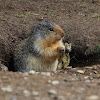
98	3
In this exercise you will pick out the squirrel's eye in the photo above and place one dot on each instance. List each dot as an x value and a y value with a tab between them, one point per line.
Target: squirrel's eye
51	29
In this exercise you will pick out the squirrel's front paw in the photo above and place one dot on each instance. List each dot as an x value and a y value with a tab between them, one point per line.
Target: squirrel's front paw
61	49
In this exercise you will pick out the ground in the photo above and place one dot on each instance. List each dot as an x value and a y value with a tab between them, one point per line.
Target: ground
80	19
72	84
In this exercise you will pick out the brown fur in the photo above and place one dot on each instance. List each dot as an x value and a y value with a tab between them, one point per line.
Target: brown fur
49	52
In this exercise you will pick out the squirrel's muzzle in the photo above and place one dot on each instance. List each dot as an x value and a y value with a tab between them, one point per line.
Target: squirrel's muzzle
59	31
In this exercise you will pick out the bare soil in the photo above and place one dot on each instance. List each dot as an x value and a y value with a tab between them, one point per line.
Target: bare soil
80	19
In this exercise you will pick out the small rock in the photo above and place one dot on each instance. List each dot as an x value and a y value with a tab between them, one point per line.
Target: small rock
26	73
7	89
13	98
61	98
93	97
94	67
3	67
40	18
35	14
90	73
81	90
49	81
19	88
69	67
25	78
37	98
32	72
27	93
80	71
34	93
63	83
73	74
46	73
89	67
52	92
86	77
55	82
65	80
20	72
95	72
74	79
91	78
55	97
87	81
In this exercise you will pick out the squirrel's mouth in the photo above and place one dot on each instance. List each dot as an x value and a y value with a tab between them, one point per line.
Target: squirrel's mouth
59	38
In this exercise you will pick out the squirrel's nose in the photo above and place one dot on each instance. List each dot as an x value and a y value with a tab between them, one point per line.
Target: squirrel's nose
59	30
62	34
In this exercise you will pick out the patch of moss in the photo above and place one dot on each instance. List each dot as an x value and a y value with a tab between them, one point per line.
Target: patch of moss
84	6
21	16
96	16
54	15
49	10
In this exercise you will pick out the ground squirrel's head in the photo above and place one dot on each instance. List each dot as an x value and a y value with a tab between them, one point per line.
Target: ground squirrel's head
49	31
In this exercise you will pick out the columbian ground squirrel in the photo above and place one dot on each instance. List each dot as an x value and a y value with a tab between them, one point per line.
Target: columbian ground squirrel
41	50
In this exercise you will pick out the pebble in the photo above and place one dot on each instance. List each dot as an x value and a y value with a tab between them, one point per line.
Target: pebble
73	74
63	83
13	98
52	92
81	90
74	79
94	67
89	67
55	82
61	98
26	93
49	81
41	18
86	77
25	78
34	93
3	68
55	97
95	72
26	73
32	72
87	81
46	73
80	71
35	14
19	88
69	67
90	73
93	97
7	89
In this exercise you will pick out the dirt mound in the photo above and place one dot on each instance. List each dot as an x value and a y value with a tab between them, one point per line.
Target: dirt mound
4	49
79	19
73	84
